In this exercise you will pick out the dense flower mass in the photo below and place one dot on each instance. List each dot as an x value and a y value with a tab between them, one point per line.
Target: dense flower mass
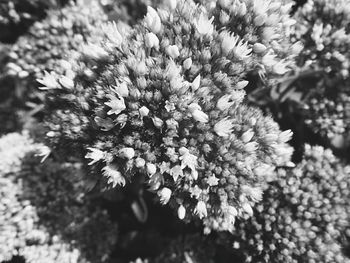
165	102
266	26
304	216
324	28
44	214
47	44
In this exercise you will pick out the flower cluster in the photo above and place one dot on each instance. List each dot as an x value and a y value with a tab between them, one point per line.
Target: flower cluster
163	101
324	28
44	214
267	27
304	216
47	44
330	118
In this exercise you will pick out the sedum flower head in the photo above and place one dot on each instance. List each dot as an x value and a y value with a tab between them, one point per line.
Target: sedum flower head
183	115
304	214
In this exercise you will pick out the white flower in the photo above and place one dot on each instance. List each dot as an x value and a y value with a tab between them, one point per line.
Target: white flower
173	51
228	42
250	147
255	193
247	136
246	207
181	212
242	9
297	47
224	127
242	84
94	52
117	105
200	116
122	89
164	195
152	20
269	59
204	25
143	111
176	171
111	31
188	160
66	82
95	154
44	152
241	50
157	122
49	81
285	136
151	169
212	180
224	103
127	153
196	82
195	191
151	40
140	162
187	63
113	176
201	210
280	68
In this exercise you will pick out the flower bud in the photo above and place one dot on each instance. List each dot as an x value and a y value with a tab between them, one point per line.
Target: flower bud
200	116
173	51
157	122
259	48
187	64
196	82
151	40
247	209
247	136
151	169
181	212
122	90
242	84
164	195
201	210
250	147
140	162
66	82
94	52
152	20
143	111
259	20
242	9
127	153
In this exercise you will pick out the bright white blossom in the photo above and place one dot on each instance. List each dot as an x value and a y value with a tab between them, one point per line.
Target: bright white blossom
127	153
204	25
117	105
94	154
164	195
224	127
152	20
201	210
